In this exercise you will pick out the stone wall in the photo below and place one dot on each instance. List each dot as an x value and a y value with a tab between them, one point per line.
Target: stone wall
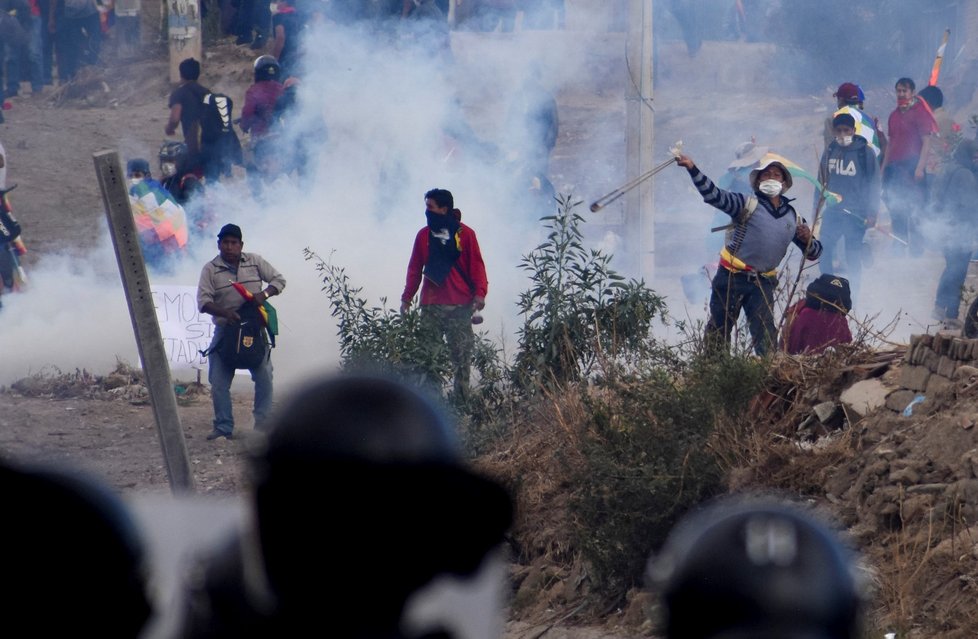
932	365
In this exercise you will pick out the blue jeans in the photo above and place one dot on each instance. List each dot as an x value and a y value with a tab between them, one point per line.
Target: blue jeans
837	226
952	280
220	376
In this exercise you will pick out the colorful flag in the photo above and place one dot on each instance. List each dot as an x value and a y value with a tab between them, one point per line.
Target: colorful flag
158	217
798	172
269	316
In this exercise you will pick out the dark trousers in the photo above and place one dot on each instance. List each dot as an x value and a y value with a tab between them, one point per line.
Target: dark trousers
952	280
254	16
838	226
453	324
904	196
748	291
79	42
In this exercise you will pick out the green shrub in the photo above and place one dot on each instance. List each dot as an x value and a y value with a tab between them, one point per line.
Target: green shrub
648	459
577	309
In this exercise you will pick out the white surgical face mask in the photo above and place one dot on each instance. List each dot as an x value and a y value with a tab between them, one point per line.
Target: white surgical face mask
770	188
844	140
134	181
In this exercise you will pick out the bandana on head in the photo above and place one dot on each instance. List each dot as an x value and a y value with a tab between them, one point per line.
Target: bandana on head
443	248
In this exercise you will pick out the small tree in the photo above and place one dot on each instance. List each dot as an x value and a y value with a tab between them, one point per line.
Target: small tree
379	338
577	307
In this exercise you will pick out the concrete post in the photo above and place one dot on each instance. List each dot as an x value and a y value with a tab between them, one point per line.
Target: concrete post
156	368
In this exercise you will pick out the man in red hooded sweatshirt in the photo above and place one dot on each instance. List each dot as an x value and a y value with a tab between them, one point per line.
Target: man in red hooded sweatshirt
447	259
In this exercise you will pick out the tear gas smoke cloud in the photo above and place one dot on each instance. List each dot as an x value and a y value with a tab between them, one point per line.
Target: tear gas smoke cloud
388	98
388	104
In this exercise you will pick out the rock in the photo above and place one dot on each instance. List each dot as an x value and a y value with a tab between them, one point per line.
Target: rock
965	372
878	468
927	488
914	377
961	348
864	397
115	380
946	366
886	453
898	400
827	412
970	462
905	476
937	384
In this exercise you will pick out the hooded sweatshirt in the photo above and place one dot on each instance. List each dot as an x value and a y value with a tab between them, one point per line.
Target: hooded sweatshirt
852	172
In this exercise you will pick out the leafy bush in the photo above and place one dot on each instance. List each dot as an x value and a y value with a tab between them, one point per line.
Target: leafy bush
380	339
577	309
648	459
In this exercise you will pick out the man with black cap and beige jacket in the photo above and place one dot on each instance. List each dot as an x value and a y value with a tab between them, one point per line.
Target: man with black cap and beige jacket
217	295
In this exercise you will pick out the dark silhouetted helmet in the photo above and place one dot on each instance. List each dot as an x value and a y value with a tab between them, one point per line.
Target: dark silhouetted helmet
362	489
267	68
756	571
73	558
137	164
173	158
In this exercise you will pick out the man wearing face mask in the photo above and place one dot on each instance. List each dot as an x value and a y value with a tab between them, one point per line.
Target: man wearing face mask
849	99
764	225
848	168
911	130
447	258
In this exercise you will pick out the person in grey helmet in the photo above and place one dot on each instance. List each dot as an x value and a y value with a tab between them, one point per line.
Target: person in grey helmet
363	511
761	570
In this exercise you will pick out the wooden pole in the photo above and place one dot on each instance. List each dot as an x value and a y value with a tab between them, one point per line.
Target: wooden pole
183	28
639	214
132	268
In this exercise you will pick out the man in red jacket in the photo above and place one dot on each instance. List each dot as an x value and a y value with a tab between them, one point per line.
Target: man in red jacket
446	256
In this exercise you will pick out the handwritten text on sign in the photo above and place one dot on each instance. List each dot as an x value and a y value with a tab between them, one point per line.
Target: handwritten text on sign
186	331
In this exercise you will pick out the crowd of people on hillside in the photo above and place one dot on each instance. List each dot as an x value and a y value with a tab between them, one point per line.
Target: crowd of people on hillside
920	171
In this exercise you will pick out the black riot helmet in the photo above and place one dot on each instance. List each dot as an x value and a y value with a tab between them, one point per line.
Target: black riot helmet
361	488
756	571
267	68
74	559
174	158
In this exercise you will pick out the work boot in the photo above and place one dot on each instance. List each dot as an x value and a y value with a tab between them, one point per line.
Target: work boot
215	434
259	42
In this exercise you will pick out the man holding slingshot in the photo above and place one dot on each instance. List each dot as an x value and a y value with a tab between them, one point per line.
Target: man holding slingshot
763	226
